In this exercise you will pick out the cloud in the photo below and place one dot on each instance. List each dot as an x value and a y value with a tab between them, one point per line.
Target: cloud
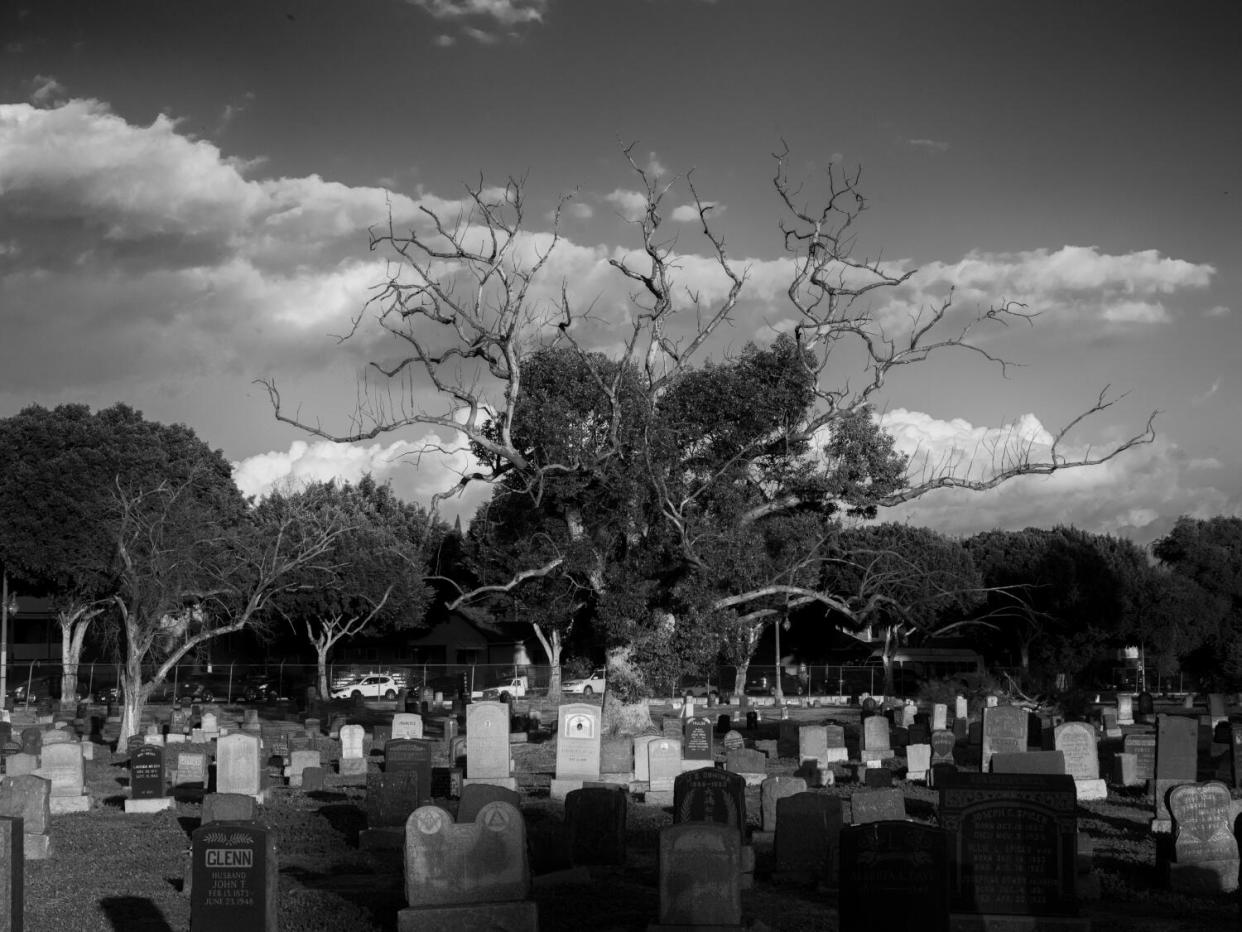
443	40
689	213
504	12
928	145
654	166
1218	310
46	90
630	204
1136	494
1203	398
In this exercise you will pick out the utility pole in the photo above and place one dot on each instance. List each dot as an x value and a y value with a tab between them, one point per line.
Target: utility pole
4	638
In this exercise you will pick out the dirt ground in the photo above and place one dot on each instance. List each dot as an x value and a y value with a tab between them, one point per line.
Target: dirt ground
111	871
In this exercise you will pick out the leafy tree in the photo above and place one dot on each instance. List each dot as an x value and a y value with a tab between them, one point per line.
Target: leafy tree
660	480
60	470
369	578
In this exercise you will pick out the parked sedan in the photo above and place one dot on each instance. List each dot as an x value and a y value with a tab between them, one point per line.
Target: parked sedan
586	685
374	686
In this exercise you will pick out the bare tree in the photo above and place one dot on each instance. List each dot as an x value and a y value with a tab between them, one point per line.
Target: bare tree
462	301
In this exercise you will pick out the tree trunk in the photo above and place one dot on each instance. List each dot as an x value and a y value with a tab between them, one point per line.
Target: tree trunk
133	698
626	711
739	678
321	651
889	646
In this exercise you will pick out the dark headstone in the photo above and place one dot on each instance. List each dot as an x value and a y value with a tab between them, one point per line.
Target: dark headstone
1004	730
146	772
1235	747
877	806
474	796
32	741
877	777
894	875
939	773
1143	747
313	779
595	818
808	826
710	795
616	754
698	742
234	878
724	723
391	797
746	760
1052	762
919	733
752	720
12	874
1146	703
1177	757
1014	852
402	755
441	782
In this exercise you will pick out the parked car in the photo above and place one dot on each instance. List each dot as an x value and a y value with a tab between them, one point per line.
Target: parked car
259	687
510	688
697	687
762	682
196	687
371	686
42	687
586	685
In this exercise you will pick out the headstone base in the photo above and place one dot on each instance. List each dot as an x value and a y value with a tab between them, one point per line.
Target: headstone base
352	766
921	777
688	765
1204	876
521	916
971	922
509	783
619	779
835	755
37	846
159	804
1161	826
385	838
1091	789
62	804
753	779
870	756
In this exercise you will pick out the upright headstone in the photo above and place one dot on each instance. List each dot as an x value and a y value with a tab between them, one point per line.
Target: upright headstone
27	797
467	875
238	766
12	874
876	743
939	717
1235	748
885	805
410	756
894	875
477	795
616	758
663	764
1125	709
234	878
1177	761
961	708
62	765
595	819
1218	710
1045	762
300	761
390	799
710	795
1205	858
352	763
772	789
1112	728
700	875
698	743
918	761
577	747
1143	747
146	781
943	744
229	807
1014	844
1004	729
642	754
1076	740
192	768
407	725
487	744
751	764
834	739
808	830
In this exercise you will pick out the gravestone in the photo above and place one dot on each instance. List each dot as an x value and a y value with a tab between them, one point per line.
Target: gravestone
881	805
698	741
12	874
642	756
733	741
787	739
663	764
1146	705
772	789
238	768
1125	709
234	878
813	744
467	875
751	764
146	781
1143	747
445	782
407	725
1076	740
877	777
407	755
391	797
808	829
26	797
595	819
1112	728
228	807
457	751
577	747
19	764
700	875
1177	761
487	744
353	763
1218	711
1014	844
616	755
1205	858
191	768
1235	748
1045	762
299	761
477	795
876	743
942	745
710	795
939	717
1004	729
960	708
834	738
62	765
918	761
894	875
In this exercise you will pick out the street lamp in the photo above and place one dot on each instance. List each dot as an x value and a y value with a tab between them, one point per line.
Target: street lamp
7	606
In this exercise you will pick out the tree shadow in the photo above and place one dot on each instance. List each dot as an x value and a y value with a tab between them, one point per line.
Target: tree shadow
346	818
134	914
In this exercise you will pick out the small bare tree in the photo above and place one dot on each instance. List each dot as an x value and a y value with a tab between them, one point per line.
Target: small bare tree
611	447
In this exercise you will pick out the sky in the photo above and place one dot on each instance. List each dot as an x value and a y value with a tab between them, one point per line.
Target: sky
186	192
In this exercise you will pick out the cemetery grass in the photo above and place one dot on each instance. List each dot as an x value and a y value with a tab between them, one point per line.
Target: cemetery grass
110	871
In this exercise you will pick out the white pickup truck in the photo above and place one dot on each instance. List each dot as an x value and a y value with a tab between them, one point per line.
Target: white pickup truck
514	688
